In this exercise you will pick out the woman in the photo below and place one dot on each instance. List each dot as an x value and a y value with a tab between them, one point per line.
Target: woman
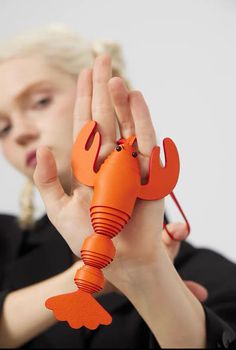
39	94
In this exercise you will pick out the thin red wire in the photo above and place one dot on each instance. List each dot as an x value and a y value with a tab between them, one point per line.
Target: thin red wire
182	213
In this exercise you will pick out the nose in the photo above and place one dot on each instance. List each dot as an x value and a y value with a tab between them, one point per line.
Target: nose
24	133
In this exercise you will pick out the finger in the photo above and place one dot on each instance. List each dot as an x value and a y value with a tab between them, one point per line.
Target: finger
46	180
145	133
82	110
198	290
102	108
178	230
120	99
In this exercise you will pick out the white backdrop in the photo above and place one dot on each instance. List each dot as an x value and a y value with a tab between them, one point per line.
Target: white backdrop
181	55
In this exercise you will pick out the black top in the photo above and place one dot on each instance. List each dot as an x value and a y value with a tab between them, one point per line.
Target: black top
32	256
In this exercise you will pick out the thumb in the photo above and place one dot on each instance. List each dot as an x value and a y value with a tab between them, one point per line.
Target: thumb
47	181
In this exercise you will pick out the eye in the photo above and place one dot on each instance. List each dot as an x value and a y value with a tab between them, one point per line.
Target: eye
4	131
118	148
134	154
43	102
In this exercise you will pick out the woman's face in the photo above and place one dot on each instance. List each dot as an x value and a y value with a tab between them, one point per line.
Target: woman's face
36	108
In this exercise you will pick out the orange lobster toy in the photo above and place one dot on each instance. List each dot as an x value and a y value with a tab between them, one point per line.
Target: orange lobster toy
117	185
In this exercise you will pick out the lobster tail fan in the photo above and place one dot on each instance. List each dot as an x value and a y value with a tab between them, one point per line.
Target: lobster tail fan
79	309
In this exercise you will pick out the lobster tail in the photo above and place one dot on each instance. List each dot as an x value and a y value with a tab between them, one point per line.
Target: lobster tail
78	309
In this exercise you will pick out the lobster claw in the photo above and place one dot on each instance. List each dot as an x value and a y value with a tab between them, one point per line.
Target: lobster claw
83	160
162	180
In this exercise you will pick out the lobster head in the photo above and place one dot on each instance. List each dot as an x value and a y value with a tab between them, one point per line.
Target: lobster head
161	181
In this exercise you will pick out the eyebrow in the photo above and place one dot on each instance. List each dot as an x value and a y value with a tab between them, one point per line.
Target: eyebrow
28	89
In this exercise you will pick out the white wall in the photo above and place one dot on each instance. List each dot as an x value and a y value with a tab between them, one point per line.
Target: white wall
181	55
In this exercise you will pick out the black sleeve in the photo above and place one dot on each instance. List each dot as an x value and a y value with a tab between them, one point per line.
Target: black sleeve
10	240
3	294
219	333
218	275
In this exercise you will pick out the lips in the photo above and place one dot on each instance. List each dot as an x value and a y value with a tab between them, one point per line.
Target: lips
31	159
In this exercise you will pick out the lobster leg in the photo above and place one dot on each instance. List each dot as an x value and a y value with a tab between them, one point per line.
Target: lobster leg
162	180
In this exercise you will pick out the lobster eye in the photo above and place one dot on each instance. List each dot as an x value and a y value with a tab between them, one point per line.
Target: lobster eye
134	154
118	148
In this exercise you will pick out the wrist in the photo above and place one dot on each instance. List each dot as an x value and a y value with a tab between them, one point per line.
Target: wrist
164	302
144	272
133	273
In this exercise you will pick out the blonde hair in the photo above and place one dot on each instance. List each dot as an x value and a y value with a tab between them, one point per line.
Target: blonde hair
64	49
69	52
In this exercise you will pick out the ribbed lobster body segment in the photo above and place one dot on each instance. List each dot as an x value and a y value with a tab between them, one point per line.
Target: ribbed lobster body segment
117	185
108	222
98	249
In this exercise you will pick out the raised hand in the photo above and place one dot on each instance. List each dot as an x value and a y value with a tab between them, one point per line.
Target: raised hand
139	241
97	94
70	213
